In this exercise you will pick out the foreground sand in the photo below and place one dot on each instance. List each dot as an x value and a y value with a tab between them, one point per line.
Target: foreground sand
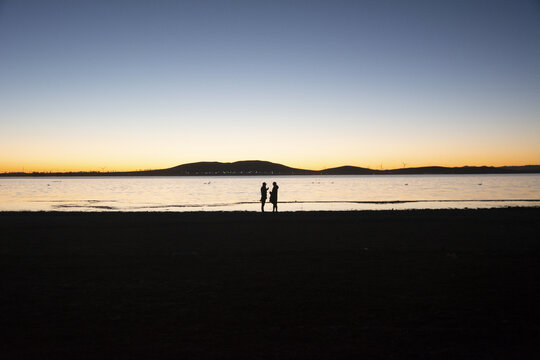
403	284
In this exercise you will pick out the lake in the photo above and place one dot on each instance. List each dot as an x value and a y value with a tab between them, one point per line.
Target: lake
296	193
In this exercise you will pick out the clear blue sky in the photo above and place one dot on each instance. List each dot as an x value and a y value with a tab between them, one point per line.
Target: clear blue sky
151	84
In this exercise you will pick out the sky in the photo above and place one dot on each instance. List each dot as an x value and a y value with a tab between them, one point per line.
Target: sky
128	85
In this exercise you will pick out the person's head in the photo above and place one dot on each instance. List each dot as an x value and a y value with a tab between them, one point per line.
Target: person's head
264	184
274	183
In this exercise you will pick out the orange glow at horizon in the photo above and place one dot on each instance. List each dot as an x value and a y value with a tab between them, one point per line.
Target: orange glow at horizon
317	150
91	166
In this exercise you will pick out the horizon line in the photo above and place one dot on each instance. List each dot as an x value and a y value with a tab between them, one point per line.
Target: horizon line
264	161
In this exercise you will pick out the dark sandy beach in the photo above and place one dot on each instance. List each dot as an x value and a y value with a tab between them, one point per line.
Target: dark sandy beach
314	285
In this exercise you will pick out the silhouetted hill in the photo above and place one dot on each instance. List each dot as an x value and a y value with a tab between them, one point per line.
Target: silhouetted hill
257	167
249	167
348	170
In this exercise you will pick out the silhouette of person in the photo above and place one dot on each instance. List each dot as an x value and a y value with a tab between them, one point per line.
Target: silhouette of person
273	196
264	189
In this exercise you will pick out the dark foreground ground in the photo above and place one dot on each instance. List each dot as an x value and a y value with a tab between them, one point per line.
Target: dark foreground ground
403	284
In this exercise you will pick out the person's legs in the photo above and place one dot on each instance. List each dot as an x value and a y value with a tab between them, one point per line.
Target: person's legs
262	205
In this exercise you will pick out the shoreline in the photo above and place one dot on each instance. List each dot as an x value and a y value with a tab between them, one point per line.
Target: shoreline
291	206
242	285
337	212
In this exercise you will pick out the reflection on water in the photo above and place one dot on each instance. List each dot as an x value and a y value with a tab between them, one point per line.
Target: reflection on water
297	193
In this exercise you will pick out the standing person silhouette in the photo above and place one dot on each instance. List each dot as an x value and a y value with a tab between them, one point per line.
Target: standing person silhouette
264	189
273	196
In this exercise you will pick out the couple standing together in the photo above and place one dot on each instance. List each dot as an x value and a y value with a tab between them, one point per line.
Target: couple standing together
273	196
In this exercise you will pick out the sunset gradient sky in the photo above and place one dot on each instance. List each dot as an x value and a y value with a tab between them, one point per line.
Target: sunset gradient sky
126	85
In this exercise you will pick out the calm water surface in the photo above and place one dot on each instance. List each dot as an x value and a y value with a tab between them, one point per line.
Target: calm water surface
296	193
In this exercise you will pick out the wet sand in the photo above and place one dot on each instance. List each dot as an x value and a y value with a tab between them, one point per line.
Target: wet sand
314	285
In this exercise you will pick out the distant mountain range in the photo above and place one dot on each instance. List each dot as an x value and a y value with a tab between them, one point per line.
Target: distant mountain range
256	167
